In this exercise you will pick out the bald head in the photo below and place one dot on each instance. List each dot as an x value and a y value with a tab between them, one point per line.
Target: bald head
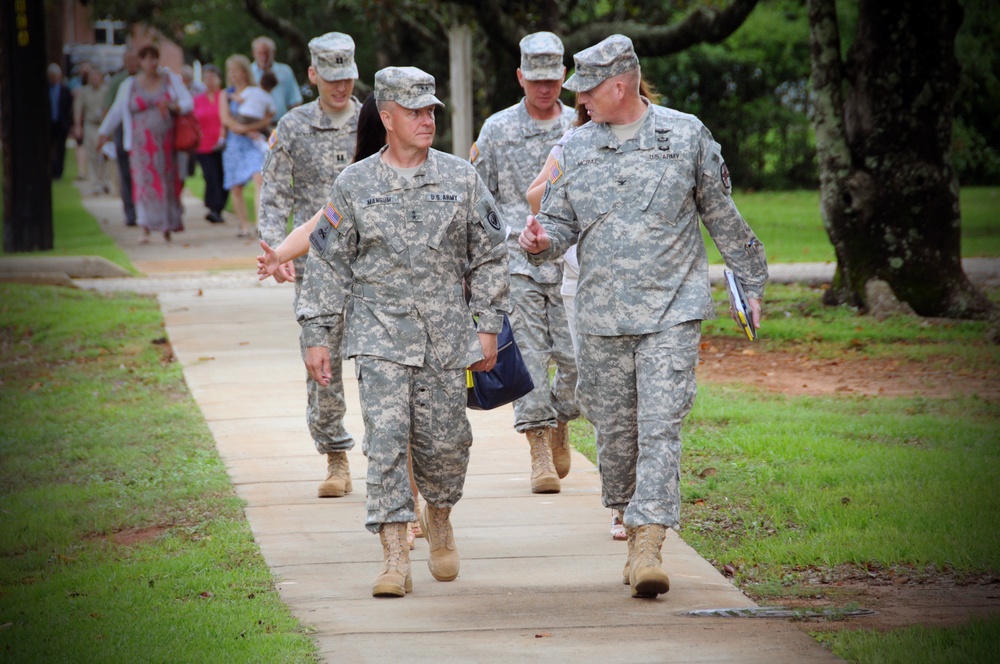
263	50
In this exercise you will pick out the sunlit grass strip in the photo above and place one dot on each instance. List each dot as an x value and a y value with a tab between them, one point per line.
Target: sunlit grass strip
101	439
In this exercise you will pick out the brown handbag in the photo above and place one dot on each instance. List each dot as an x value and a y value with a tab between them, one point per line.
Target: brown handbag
187	133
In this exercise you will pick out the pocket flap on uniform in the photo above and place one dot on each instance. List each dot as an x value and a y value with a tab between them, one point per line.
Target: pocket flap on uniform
684	360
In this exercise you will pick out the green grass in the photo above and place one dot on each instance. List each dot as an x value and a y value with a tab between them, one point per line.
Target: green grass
101	438
840	481
805	486
977	642
795	318
980	221
75	231
789	224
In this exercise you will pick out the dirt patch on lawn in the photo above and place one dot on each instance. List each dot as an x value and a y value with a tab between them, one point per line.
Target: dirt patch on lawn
901	596
131	536
733	360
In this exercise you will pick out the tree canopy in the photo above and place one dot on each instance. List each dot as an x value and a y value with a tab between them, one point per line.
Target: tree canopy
742	66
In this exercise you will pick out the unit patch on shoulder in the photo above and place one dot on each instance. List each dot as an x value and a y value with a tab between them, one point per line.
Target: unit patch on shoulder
473	153
555	172
494	219
727	181
332	215
273	139
319	237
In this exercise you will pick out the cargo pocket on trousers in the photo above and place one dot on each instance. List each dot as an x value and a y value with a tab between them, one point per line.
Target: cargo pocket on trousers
357	375
376	498
683	362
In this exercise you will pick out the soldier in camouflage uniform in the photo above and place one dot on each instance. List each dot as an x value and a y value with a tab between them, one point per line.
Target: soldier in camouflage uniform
508	154
401	231
310	147
628	189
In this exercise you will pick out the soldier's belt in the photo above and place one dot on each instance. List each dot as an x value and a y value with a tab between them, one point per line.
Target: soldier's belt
381	292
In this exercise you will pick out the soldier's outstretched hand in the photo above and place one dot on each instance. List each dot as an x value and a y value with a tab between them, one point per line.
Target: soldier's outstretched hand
533	238
268	265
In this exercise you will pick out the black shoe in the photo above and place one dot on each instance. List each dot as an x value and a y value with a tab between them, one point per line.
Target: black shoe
214	217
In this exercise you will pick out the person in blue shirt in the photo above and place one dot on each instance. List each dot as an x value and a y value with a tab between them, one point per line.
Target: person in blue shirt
287	94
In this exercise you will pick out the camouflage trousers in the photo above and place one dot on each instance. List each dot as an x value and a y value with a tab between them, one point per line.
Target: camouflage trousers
636	390
423	407
542	333
326	406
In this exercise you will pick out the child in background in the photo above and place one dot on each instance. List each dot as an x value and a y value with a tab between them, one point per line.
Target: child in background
254	103
268	82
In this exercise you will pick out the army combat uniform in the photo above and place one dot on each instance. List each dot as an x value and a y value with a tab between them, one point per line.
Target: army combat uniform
633	209
396	252
307	152
508	154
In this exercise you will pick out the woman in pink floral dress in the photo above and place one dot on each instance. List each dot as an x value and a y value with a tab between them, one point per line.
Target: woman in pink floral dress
146	105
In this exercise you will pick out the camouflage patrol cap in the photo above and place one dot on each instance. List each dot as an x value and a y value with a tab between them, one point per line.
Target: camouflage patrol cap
542	57
600	62
407	86
333	56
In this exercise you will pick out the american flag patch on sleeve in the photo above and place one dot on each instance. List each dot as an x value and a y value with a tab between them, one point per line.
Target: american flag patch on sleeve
273	139
332	215
555	172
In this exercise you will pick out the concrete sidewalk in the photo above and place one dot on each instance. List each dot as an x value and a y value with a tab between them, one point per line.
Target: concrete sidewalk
540	576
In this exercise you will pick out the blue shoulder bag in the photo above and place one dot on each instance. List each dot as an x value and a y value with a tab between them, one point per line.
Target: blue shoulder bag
508	381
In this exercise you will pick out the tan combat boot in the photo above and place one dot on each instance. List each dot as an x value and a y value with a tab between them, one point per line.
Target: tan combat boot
559	444
443	558
338	476
646	577
394	580
543	474
627	572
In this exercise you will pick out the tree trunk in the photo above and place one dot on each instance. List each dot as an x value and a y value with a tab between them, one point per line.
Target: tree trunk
26	131
888	190
460	77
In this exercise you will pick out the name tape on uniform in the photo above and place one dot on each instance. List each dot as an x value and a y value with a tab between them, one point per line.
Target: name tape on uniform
380	200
